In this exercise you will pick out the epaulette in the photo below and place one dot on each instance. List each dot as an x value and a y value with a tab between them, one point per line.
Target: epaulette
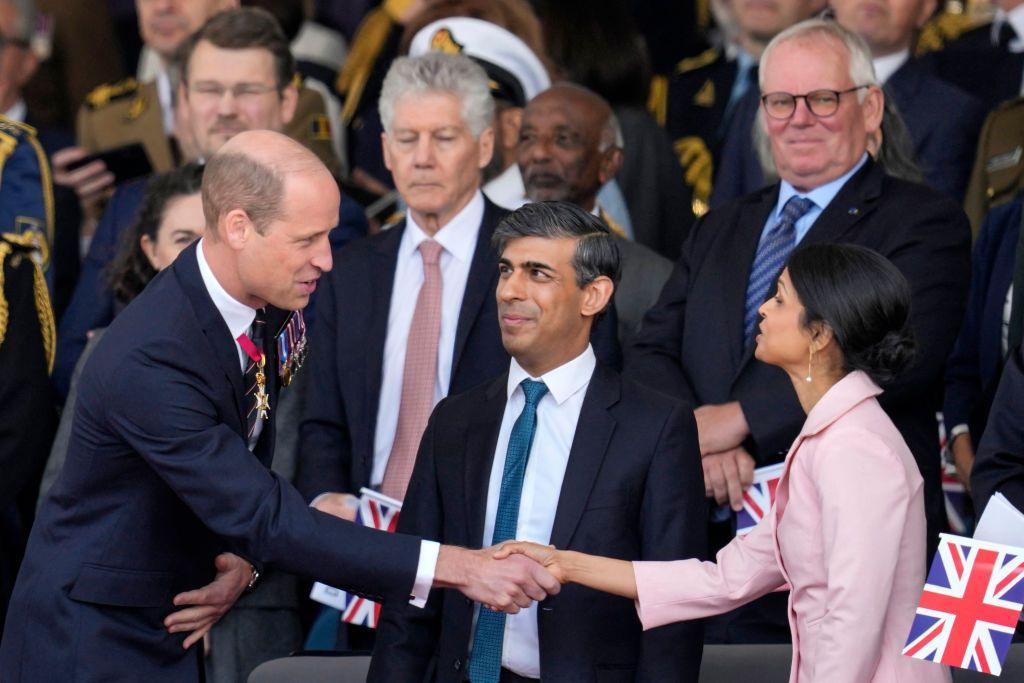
17	128
942	29
103	95
18	247
709	56
11	134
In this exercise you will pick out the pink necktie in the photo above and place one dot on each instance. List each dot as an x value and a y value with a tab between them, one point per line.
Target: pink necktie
419	375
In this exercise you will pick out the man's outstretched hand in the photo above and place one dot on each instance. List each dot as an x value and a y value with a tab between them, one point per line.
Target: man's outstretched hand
205	606
506	585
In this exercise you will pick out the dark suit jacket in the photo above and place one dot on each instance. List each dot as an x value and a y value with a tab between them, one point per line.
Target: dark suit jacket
346	363
691	343
157	481
975	65
93	305
943	122
999	464
633	489
972	372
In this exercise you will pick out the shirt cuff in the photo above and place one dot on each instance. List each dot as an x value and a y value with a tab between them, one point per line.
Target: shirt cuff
958	430
429	550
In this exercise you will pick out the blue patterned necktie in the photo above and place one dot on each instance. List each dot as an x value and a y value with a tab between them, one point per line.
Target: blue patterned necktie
772	253
485	662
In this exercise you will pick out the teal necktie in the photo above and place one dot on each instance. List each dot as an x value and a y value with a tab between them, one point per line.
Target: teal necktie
485	663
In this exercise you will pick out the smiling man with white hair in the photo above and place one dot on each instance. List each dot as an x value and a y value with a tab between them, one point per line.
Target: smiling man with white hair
820	106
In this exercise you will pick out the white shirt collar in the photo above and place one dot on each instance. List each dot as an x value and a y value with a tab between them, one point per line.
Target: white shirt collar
822	195
237	315
17	112
1016	19
563	381
887	65
457	237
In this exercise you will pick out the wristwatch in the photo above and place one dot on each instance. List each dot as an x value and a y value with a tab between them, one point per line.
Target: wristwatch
254	579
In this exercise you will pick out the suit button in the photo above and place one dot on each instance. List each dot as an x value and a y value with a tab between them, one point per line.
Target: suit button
457	664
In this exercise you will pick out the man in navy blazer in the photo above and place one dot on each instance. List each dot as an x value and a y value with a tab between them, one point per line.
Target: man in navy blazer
695	344
612	467
168	462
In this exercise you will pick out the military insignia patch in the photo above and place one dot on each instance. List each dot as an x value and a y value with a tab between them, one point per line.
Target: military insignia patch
705	97
106	93
1004	161
291	348
321	128
444	41
137	108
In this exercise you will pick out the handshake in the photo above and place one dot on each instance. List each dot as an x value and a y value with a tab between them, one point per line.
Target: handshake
506	577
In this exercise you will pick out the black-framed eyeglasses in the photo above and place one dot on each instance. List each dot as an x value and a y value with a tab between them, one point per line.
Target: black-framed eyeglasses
13	42
822	103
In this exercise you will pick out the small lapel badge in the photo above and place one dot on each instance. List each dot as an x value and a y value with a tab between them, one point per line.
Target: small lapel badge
291	347
853	211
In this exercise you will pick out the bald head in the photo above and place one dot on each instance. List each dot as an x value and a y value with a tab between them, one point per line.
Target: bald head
569	145
250	171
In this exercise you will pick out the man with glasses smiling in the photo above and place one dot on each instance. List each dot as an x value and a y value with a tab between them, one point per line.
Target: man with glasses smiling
820	107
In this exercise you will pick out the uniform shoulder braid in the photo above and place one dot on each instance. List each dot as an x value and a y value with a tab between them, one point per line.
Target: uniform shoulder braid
104	94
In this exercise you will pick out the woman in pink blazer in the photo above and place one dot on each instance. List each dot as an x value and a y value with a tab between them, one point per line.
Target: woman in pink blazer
846	534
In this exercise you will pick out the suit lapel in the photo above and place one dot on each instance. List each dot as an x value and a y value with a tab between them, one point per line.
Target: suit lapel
186	268
589	447
481	439
740	254
384	260
480	284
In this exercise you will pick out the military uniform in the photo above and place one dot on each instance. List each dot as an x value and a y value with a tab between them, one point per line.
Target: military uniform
697	118
998	174
128	111
27	339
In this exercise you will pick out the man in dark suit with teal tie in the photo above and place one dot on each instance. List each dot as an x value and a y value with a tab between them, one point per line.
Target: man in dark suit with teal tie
560	449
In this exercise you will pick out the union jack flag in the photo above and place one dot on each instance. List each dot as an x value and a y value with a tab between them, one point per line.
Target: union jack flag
759	498
970	605
378	512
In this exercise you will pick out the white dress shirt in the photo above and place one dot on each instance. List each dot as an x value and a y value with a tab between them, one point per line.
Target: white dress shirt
557	414
887	65
239	317
458	238
17	112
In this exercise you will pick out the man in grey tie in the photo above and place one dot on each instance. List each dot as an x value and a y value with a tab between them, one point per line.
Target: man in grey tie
820	107
560	449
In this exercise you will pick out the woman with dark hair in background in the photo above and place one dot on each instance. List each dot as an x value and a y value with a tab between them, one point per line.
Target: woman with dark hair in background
170	219
847	531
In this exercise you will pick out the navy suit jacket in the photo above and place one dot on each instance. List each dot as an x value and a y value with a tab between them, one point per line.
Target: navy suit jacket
93	305
972	372
633	489
158	480
346	363
999	464
975	65
943	122
691	343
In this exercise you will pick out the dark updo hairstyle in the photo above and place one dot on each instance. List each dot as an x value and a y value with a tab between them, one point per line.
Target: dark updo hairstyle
865	301
131	271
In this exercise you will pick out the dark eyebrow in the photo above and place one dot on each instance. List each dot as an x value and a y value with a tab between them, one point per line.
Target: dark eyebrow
533	265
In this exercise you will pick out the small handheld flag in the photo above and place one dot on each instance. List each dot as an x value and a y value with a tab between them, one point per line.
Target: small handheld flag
759	498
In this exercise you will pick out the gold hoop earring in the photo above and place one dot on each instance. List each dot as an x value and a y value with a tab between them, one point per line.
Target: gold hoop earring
810	361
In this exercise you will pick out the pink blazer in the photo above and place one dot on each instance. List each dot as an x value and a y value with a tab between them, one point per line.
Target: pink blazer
847	537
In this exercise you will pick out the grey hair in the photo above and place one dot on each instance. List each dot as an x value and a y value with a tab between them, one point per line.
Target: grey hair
27	17
596	253
439	72
895	153
862	69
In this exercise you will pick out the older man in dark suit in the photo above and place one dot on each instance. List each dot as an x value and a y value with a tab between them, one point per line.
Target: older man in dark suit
167	466
559	449
820	109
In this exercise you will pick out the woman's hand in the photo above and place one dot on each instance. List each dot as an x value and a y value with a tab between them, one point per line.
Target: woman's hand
546	556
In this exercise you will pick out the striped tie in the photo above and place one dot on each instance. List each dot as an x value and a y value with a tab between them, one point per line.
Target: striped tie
252	343
772	253
485	663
